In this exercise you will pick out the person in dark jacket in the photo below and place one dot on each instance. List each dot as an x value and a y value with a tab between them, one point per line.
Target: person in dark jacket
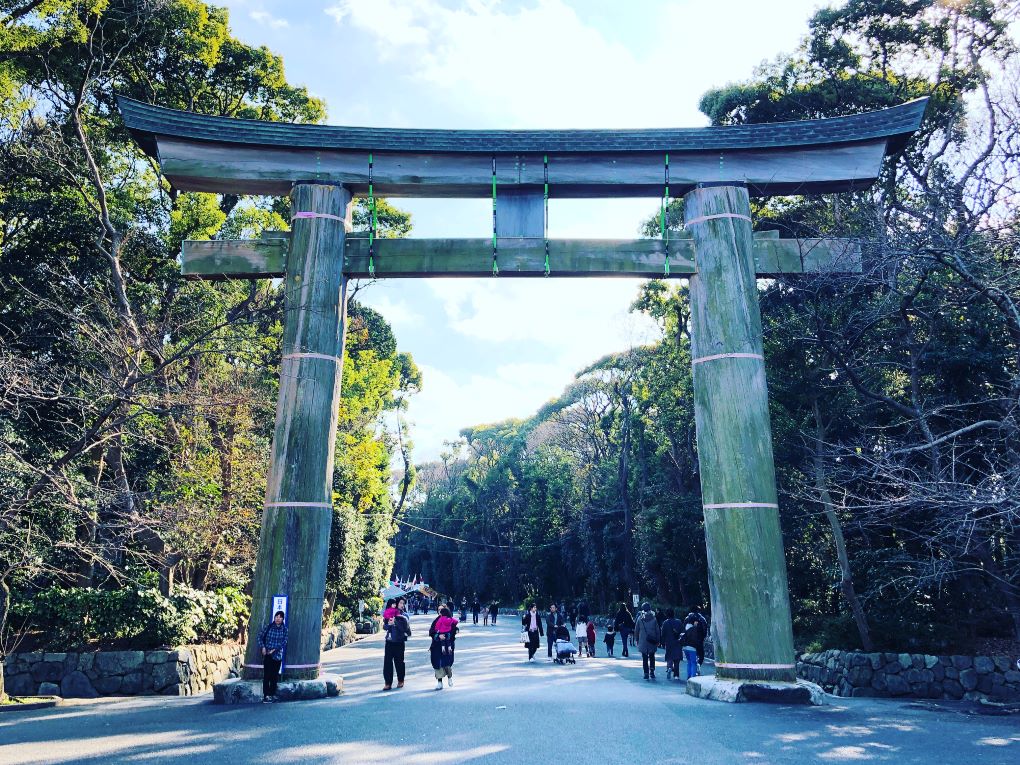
476	608
493	611
441	652
398	630
647	634
553	619
531	623
696	616
272	643
624	623
690	640
672	630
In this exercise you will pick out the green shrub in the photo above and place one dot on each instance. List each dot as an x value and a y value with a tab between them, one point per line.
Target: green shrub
140	617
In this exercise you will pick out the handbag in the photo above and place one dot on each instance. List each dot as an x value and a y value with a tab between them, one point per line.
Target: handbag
524	637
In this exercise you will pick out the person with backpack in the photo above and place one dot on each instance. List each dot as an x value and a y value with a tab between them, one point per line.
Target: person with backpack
646	633
695	615
624	624
672	630
690	640
398	630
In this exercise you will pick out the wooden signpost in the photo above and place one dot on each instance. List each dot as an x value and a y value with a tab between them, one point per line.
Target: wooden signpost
716	169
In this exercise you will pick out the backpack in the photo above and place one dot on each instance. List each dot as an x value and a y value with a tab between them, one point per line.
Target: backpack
652	633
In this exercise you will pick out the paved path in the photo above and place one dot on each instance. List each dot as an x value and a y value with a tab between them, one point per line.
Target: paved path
501	710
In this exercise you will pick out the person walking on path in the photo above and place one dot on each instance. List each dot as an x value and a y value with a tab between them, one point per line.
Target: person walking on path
444	644
691	639
610	637
581	632
591	637
624	623
398	630
695	614
493	612
463	609
476	608
272	643
646	633
553	619
573	617
531	623
672	631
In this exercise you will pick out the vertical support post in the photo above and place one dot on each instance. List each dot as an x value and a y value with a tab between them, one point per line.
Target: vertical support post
294	543
751	622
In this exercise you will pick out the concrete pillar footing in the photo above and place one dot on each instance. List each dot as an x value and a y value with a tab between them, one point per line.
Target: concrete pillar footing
768	691
239	691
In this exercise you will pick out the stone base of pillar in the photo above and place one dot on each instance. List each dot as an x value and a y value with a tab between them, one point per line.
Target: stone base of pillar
768	691
239	691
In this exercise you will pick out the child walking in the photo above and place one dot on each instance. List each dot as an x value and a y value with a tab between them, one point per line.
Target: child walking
610	638
581	631
591	638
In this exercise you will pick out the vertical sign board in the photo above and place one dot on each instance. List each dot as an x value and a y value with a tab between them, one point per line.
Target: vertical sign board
637	600
280	604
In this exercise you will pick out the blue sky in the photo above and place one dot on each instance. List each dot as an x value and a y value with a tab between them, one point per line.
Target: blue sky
496	348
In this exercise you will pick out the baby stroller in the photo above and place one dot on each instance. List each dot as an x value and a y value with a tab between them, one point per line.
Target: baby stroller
565	650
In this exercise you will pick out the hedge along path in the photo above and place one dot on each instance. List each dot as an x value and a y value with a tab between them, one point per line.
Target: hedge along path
716	168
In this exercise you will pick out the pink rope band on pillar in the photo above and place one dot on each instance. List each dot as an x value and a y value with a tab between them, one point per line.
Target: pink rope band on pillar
299	504
701	218
289	666
755	666
317	215
726	505
728	356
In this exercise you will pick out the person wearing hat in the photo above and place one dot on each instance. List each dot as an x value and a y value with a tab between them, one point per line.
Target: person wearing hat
647	634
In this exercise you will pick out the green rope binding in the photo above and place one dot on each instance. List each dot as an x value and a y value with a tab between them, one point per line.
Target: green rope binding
372	221
495	264
545	232
662	219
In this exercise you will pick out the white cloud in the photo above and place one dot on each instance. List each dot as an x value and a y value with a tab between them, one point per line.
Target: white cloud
398	22
397	312
267	19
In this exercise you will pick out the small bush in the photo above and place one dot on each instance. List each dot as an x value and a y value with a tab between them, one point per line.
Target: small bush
139	617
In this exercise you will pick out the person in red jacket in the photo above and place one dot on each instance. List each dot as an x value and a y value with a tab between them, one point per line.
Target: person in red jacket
591	637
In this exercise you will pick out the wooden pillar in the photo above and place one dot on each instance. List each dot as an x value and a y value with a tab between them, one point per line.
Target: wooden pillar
294	544
753	635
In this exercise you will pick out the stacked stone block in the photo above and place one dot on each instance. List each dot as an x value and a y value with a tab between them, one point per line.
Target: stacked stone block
852	673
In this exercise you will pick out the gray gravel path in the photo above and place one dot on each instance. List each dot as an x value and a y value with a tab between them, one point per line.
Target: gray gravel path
503	710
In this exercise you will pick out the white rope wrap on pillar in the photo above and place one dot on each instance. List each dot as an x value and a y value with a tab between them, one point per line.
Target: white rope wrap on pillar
701	218
703	359
755	666
725	505
325	356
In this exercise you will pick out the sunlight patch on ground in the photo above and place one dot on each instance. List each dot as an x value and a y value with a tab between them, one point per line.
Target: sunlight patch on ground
846	753
368	752
997	741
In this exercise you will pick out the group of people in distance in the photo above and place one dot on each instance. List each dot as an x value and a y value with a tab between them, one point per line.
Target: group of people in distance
681	638
421	603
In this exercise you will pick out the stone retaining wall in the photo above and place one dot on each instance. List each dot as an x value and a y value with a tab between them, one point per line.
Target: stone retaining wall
852	673
183	671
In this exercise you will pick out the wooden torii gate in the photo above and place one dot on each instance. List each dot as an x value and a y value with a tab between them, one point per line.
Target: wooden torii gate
322	168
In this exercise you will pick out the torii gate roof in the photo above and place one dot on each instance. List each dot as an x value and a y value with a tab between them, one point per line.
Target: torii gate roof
227	155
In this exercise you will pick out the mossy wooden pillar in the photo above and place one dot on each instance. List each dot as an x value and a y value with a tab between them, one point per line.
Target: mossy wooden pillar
753	636
294	544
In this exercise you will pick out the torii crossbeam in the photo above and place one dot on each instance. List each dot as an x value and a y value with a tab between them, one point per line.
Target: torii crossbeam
717	169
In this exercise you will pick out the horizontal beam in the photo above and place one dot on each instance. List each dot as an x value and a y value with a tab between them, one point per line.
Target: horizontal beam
235	258
517	257
192	165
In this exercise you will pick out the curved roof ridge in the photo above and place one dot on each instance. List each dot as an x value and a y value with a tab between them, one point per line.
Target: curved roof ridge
146	122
